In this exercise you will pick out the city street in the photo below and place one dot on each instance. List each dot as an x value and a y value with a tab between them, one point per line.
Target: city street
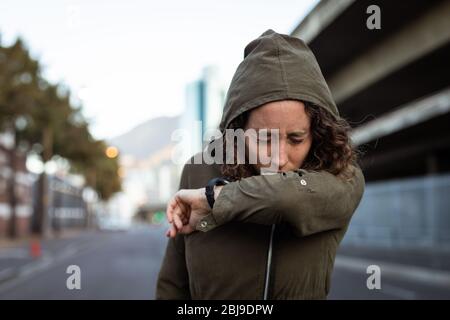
125	265
323	116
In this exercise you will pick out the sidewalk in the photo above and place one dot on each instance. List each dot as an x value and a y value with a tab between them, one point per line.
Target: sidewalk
430	267
431	259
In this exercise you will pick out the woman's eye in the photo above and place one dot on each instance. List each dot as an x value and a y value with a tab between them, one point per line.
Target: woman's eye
295	141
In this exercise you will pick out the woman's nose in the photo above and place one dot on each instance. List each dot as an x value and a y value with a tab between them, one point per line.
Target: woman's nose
282	158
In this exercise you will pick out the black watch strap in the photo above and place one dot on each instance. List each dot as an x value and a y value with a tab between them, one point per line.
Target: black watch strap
209	189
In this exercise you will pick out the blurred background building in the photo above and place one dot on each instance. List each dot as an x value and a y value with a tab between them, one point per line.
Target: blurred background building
203	109
154	153
149	176
21	217
67	207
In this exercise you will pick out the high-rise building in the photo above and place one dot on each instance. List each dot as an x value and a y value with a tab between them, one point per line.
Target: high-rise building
204	104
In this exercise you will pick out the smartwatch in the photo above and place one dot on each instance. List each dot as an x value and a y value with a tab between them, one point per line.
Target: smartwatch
209	189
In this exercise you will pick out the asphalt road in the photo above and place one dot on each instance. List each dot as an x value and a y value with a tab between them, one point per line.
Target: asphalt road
113	265
125	265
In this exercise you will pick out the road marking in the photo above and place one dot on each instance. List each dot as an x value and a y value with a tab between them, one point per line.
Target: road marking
7	274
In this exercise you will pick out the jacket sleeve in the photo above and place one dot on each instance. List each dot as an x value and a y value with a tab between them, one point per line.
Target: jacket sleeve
173	278
309	201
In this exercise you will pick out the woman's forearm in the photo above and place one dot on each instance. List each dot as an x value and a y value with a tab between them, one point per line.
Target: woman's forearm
309	201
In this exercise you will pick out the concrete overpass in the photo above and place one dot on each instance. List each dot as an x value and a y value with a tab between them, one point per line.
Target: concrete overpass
392	83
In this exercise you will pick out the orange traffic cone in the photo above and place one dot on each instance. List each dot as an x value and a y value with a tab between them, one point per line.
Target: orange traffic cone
35	249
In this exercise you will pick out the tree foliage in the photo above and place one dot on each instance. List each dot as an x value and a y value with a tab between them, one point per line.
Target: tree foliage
42	118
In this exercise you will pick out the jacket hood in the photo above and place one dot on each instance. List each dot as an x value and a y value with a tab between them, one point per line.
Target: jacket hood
276	67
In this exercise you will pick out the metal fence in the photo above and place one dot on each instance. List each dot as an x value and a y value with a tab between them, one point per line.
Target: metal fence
407	213
67	208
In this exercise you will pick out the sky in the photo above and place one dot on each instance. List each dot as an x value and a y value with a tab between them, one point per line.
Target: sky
130	61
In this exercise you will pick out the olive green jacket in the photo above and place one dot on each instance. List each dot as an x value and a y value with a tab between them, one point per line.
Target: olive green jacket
268	236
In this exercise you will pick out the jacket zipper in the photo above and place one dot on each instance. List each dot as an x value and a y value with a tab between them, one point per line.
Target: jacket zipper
269	263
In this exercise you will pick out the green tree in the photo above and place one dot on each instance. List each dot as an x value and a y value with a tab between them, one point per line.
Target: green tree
42	118
19	76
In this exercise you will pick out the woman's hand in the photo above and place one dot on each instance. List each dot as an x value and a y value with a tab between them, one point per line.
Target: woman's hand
185	209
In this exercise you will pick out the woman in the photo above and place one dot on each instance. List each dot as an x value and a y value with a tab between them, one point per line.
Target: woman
267	236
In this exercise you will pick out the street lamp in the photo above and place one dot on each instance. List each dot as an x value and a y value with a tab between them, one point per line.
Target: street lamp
112	152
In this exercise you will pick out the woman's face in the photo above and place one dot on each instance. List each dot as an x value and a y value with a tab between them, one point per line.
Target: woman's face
294	139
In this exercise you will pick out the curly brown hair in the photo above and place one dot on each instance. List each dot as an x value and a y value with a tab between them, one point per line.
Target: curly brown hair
331	148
